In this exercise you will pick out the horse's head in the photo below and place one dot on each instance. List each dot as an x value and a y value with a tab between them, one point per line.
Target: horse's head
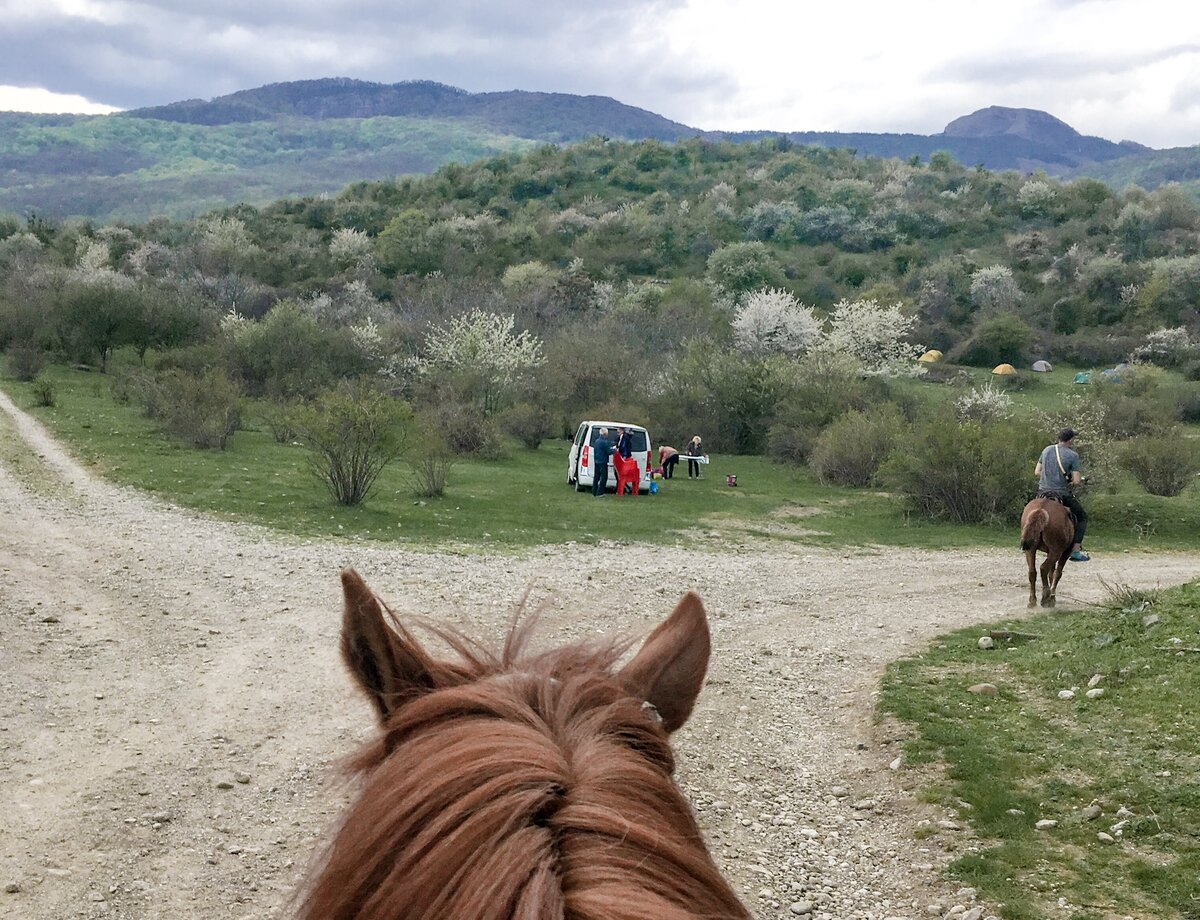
519	785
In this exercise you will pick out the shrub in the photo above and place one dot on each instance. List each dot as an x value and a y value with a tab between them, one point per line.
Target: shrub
790	442
25	362
202	409
984	404
1187	404
1190	370
137	385
826	384
964	472
467	431
850	451
1132	405
44	394
531	424
1162	465
352	432
431	469
998	339
279	417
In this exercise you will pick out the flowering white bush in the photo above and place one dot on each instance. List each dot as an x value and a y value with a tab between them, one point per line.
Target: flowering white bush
484	353
349	247
984	404
772	321
528	279
1036	196
994	287
1165	347
234	324
93	266
150	260
876	335
367	340
570	222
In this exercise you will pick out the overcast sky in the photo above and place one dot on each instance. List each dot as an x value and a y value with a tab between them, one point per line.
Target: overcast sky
1120	69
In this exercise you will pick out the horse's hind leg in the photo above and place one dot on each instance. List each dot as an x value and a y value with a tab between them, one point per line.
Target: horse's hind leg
1058	572
1047	590
1031	560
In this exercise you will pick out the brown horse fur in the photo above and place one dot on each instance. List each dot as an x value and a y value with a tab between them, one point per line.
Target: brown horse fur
1046	525
520	786
627	471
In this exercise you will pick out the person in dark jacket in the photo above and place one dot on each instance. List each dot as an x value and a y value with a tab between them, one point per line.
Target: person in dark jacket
624	443
693	452
601	451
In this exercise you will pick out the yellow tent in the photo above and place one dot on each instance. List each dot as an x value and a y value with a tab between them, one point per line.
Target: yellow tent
1004	370
930	357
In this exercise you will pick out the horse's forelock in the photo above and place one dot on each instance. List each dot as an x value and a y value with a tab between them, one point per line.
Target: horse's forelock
522	783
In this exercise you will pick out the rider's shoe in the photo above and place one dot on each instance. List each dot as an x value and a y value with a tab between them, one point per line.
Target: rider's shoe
1080	556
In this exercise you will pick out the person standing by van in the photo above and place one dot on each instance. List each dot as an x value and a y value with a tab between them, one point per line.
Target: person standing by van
624	443
693	456
668	457
601	451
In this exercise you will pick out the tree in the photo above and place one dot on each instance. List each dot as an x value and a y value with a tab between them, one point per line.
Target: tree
744	266
1002	338
98	317
874	334
352	432
994	288
482	358
772	321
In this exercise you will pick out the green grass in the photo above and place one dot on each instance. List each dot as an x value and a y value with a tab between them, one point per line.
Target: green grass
1027	750
19	461
524	500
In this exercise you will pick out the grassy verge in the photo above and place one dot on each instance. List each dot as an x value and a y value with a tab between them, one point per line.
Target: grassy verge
20	462
524	500
1027	755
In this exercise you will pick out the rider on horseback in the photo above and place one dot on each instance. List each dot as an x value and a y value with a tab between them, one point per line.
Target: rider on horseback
1057	471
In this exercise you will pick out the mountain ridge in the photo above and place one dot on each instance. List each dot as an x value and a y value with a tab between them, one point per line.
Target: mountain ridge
316	136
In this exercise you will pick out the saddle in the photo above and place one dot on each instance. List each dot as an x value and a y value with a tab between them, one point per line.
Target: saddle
1056	497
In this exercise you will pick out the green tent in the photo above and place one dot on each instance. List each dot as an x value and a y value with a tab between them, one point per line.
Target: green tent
1083	377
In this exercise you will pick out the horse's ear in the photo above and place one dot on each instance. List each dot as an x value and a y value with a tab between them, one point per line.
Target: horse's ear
668	670
391	669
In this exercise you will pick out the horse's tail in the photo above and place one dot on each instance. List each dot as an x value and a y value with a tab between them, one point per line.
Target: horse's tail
1031	530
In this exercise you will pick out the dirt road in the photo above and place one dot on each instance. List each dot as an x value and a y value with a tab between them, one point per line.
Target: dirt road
172	707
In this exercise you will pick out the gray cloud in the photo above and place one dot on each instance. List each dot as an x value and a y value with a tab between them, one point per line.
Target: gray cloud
1007	69
166	50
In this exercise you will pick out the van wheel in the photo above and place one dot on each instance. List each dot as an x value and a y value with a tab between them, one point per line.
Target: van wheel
579	487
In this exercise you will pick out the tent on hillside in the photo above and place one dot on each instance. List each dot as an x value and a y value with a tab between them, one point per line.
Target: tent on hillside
1004	370
933	356
1042	366
1083	377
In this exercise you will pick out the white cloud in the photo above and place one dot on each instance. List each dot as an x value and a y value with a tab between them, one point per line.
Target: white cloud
36	99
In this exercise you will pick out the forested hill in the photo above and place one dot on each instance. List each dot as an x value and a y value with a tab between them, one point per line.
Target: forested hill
544	116
317	136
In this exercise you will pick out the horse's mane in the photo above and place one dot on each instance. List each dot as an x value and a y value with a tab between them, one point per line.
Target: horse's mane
520	787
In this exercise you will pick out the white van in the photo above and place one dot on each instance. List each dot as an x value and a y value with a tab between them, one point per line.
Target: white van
581	464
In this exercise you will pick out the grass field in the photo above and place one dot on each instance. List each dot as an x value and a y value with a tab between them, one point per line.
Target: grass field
1027	755
524	500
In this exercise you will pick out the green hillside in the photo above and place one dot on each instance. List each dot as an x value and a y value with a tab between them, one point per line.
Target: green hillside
1151	169
120	166
317	136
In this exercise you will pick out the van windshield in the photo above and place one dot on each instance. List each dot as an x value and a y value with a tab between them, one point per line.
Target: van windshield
638	439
